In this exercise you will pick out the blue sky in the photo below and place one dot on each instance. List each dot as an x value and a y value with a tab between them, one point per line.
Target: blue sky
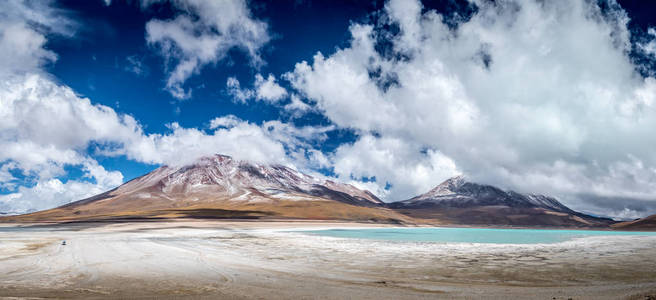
99	64
392	96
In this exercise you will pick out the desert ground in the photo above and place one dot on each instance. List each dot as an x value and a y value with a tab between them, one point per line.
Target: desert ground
276	260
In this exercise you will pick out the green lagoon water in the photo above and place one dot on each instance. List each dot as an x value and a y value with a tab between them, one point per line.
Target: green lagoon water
471	235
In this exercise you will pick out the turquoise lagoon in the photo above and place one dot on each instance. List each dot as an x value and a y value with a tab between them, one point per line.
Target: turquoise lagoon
471	235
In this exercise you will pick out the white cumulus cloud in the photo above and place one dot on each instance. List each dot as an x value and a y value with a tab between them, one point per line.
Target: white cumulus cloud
267	90
270	141
202	33
531	95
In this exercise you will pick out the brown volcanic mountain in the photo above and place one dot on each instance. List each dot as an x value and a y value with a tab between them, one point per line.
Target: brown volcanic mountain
457	201
646	223
222	187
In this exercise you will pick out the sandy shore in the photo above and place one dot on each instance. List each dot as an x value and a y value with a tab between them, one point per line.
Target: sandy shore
267	260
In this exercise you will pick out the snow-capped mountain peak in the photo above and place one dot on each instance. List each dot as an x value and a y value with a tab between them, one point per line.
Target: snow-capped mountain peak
448	187
458	192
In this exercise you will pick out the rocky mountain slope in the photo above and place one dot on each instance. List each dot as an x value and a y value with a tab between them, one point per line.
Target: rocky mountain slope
646	223
221	187
458	201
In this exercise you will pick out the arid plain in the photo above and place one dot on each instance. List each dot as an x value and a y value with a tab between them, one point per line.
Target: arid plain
274	260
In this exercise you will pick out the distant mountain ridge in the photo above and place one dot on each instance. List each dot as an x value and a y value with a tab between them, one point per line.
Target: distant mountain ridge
457	192
463	202
646	223
219	186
